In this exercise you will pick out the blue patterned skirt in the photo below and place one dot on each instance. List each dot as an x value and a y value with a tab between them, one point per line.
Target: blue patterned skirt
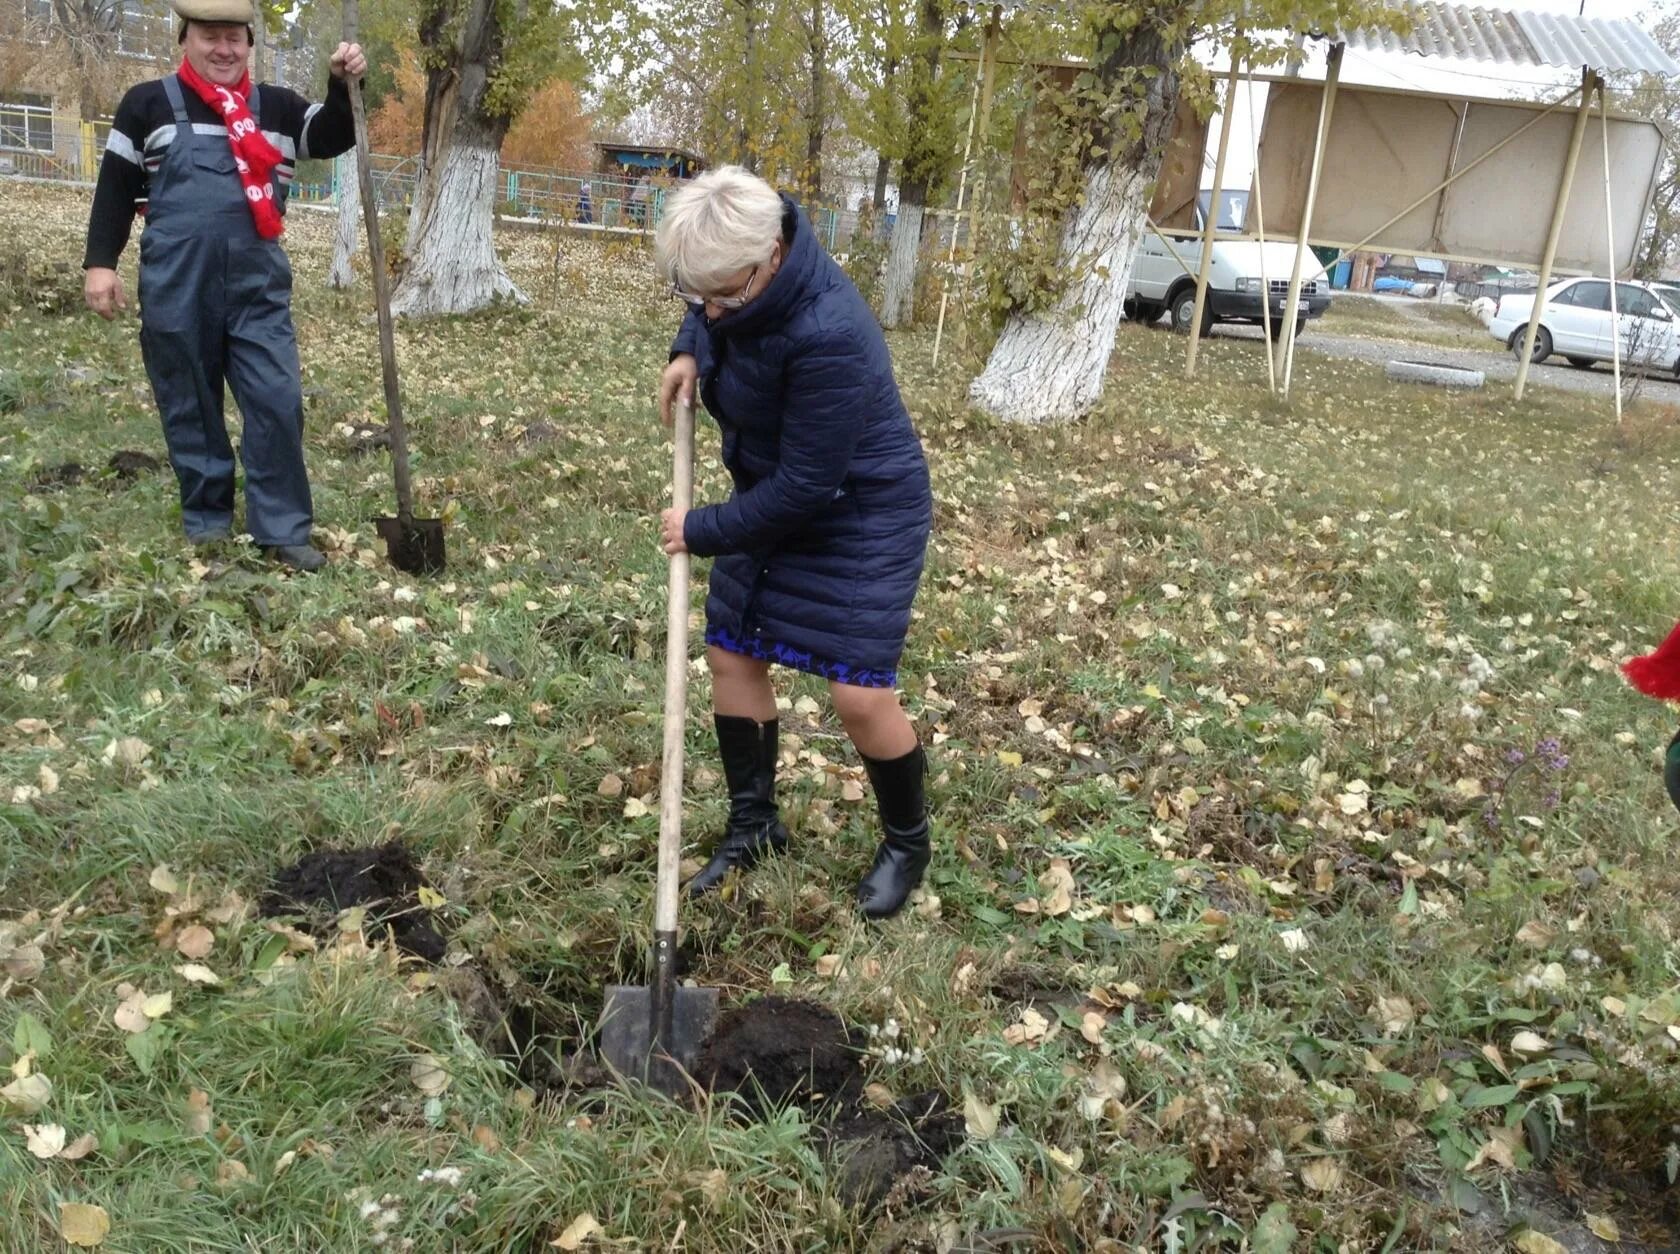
801	660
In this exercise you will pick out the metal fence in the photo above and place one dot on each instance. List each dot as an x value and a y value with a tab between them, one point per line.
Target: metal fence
571	197
37	143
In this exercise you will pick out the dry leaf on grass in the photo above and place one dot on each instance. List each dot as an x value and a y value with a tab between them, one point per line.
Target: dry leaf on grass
80	1223
28	1095
1532	1242
80	1148
163	880
583	1228
1057	882
195	942
24	963
1032	1028
1603	1227
44	1140
197	973
980	1119
1322	1175
126	751
429	1075
199	1118
878	1096
610	786
130	1014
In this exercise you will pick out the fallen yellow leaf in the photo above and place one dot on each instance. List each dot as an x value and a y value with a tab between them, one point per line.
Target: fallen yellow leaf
80	1223
581	1229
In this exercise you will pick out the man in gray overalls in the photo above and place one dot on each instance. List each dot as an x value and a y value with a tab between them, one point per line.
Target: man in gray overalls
208	158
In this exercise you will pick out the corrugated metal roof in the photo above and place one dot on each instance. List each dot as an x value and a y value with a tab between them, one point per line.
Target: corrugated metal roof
1507	37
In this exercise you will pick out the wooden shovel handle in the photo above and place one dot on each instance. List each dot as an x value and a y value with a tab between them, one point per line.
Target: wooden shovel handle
381	286
676	685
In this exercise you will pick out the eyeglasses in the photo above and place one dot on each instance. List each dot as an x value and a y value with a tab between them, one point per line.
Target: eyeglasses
722	302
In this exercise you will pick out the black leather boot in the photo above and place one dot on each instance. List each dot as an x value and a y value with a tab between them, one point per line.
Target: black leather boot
748	750
905	847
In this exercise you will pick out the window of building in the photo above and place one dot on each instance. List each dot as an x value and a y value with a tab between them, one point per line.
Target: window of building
26	123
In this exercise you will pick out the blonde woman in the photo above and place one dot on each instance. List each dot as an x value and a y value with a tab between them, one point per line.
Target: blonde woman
819	550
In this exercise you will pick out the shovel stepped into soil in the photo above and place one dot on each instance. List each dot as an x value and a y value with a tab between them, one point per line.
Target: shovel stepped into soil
412	544
654	1033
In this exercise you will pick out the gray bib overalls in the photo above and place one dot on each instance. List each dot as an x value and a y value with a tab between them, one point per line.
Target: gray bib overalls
215	304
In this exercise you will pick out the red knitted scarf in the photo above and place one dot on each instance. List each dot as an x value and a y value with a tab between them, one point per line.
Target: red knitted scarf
253	155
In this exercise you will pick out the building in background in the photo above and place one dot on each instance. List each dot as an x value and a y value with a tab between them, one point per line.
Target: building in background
56	105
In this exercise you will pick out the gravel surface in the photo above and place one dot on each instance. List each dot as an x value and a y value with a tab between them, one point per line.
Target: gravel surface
1500	366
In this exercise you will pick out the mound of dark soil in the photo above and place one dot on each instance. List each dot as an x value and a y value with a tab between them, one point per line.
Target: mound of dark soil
779	1050
129	464
53	478
367	439
874	1150
383	880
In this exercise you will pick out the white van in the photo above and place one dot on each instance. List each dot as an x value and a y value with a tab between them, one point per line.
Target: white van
1160	285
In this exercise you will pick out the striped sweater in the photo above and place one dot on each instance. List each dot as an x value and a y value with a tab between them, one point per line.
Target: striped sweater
145	127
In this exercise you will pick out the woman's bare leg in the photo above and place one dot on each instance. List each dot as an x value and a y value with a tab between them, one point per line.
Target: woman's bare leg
740	686
874	720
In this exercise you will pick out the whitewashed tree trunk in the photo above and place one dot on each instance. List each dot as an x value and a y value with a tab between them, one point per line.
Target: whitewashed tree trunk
416	205
898	283
452	265
1049	366
346	176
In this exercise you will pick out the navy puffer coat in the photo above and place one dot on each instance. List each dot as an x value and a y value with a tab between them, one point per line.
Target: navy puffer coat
820	548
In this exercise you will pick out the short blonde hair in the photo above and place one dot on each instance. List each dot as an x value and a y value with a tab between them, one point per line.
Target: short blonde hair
721	223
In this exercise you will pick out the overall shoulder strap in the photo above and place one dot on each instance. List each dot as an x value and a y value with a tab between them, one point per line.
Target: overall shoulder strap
172	89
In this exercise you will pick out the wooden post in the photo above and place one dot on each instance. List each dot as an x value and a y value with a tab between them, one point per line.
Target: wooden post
1212	221
1260	230
1610	244
1589	81
962	183
1326	109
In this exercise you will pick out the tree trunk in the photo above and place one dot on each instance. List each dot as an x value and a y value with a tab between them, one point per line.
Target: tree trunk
1049	365
883	167
924	162
750	137
451	264
898	283
453	267
818	105
347	188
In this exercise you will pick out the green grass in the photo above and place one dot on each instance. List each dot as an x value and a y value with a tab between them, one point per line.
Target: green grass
1211	653
1420	322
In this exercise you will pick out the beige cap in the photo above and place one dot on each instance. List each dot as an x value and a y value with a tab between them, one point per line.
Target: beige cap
241	11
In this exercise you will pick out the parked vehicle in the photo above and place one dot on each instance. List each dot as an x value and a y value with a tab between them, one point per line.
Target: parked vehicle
1160	284
1575	322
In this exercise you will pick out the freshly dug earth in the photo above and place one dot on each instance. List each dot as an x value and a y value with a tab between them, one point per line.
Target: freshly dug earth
875	1150
779	1050
383	880
64	475
129	463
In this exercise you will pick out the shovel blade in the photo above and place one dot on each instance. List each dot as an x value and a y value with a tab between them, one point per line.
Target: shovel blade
627	1034
415	545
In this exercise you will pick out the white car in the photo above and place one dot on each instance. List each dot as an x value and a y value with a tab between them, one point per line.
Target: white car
1575	322
1160	285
